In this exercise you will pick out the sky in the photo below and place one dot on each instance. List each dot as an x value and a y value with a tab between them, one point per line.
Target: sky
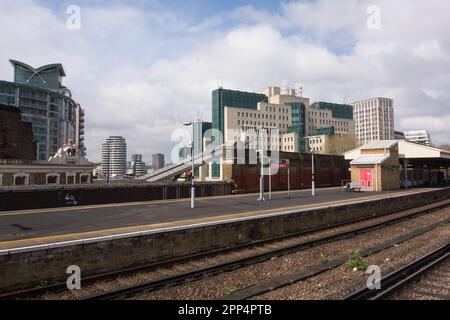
142	68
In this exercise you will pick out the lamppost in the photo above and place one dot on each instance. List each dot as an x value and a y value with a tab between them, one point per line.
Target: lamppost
270	178
313	182
187	124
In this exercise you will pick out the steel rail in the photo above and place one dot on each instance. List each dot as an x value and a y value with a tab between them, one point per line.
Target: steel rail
402	277
199	273
231	265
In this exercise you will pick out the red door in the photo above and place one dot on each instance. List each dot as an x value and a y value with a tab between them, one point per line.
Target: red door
366	179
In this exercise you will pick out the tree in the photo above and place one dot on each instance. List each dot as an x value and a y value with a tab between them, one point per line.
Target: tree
445	146
339	143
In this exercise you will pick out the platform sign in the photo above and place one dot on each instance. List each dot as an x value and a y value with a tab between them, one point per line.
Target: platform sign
282	164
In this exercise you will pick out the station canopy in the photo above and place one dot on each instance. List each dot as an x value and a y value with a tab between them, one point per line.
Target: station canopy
415	153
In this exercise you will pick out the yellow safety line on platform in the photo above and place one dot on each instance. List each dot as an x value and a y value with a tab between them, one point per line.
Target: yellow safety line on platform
140	203
139	228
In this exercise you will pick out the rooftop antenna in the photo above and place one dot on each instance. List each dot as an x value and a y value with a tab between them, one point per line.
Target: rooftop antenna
298	90
346	99
284	87
219	82
200	115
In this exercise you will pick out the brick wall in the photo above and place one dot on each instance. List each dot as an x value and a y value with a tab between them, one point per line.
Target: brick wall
16	136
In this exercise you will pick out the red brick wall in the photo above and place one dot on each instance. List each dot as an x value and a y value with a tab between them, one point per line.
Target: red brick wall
16	136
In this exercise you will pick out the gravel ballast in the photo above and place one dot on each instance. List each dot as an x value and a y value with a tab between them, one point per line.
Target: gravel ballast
228	283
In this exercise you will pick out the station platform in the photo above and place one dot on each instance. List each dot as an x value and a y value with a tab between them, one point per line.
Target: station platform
28	228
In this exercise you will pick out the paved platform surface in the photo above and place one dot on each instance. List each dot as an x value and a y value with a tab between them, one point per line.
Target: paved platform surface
43	226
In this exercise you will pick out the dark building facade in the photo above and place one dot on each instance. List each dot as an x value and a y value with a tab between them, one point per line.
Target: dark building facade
341	111
158	161
16	136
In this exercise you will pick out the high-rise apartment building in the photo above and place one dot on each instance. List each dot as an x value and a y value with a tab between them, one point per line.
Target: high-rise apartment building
114	156
138	166
157	161
44	102
419	136
374	119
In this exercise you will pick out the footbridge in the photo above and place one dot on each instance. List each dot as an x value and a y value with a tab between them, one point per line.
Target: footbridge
185	165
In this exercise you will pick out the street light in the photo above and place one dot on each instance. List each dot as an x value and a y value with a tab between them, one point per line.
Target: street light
313	182
187	124
270	178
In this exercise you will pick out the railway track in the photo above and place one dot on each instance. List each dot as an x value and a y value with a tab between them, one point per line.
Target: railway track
198	273
427	277
190	276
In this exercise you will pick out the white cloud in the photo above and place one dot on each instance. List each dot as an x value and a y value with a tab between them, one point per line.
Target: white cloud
142	73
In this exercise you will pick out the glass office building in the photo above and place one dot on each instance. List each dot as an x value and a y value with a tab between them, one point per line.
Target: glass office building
341	111
298	123
47	105
222	98
326	131
200	128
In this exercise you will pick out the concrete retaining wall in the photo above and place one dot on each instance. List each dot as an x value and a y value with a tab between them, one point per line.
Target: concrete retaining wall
44	266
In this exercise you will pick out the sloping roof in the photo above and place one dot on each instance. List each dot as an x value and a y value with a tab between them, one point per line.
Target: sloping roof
410	149
380	144
406	150
371	159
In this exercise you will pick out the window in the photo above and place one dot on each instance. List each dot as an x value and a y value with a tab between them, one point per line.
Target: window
20	181
70	179
84	178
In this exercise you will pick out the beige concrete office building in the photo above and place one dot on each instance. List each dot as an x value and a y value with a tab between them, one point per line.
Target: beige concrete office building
317	144
292	115
374	119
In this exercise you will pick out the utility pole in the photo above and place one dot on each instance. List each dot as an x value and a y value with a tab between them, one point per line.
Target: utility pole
313	182
193	166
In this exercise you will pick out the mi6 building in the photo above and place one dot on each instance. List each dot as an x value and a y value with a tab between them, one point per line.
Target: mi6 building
45	103
292	115
237	114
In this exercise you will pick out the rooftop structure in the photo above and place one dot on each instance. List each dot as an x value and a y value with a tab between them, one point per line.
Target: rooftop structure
419	136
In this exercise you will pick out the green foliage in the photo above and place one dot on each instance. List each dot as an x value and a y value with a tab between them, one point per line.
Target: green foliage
231	291
323	258
356	261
